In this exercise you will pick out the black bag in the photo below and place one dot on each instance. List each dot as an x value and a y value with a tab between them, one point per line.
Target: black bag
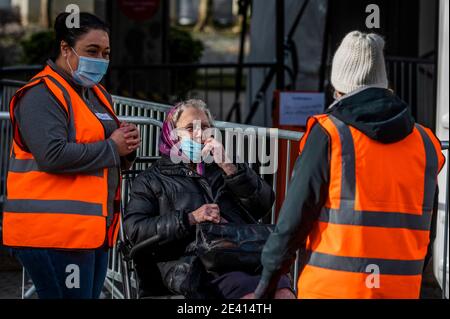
232	247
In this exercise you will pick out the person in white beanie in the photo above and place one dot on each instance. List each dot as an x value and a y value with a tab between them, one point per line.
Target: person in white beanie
362	194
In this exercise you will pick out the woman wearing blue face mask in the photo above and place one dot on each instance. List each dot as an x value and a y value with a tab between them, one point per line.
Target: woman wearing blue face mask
61	213
193	183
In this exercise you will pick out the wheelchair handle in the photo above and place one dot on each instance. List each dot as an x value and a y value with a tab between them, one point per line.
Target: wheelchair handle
144	244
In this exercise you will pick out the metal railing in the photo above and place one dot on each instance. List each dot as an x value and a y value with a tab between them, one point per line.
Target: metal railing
414	81
19	72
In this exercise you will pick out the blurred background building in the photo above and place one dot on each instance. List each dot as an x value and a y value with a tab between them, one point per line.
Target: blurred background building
166	50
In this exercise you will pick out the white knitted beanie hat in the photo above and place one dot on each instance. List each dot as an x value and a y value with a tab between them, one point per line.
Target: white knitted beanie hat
359	62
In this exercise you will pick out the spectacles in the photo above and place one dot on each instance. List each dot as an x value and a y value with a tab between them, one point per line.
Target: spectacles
192	129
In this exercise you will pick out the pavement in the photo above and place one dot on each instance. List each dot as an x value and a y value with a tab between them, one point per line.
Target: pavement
10	284
10	276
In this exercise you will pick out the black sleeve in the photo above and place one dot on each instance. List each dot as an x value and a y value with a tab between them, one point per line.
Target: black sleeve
252	192
305	198
432	228
143	220
44	129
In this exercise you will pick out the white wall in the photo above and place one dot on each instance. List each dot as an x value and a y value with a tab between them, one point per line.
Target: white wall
31	11
443	133
23	5
427	23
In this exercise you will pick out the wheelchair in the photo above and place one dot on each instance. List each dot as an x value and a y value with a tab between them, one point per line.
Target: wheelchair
140	274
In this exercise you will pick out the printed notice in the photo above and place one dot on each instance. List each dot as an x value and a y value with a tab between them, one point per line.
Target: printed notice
296	107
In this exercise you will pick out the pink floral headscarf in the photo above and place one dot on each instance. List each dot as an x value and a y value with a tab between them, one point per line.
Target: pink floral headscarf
169	140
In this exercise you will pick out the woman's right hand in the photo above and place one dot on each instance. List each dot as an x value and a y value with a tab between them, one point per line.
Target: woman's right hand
206	213
120	139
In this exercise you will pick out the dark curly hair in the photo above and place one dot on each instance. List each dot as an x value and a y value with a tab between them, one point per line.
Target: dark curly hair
88	22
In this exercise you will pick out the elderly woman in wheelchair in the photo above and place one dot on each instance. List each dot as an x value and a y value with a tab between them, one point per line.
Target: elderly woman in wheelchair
181	190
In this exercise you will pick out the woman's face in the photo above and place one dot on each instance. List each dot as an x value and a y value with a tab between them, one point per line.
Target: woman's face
192	123
94	44
337	95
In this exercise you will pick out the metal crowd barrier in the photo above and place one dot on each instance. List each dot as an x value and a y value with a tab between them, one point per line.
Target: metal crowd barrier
148	116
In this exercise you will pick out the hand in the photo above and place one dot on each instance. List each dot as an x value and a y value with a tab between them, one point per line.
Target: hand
214	147
118	137
132	135
206	213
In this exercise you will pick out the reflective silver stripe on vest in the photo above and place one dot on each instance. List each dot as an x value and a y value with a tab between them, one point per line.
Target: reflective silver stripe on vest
23	165
71	132
361	265
30	165
105	94
376	219
431	171
348	183
53	207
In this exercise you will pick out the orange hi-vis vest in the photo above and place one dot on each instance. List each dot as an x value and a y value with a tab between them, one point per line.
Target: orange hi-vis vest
372	234
65	211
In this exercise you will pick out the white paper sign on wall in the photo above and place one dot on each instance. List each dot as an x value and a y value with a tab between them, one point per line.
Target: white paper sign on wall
296	107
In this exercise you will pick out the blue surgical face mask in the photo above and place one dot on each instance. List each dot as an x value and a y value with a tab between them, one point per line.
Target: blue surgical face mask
192	149
90	70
